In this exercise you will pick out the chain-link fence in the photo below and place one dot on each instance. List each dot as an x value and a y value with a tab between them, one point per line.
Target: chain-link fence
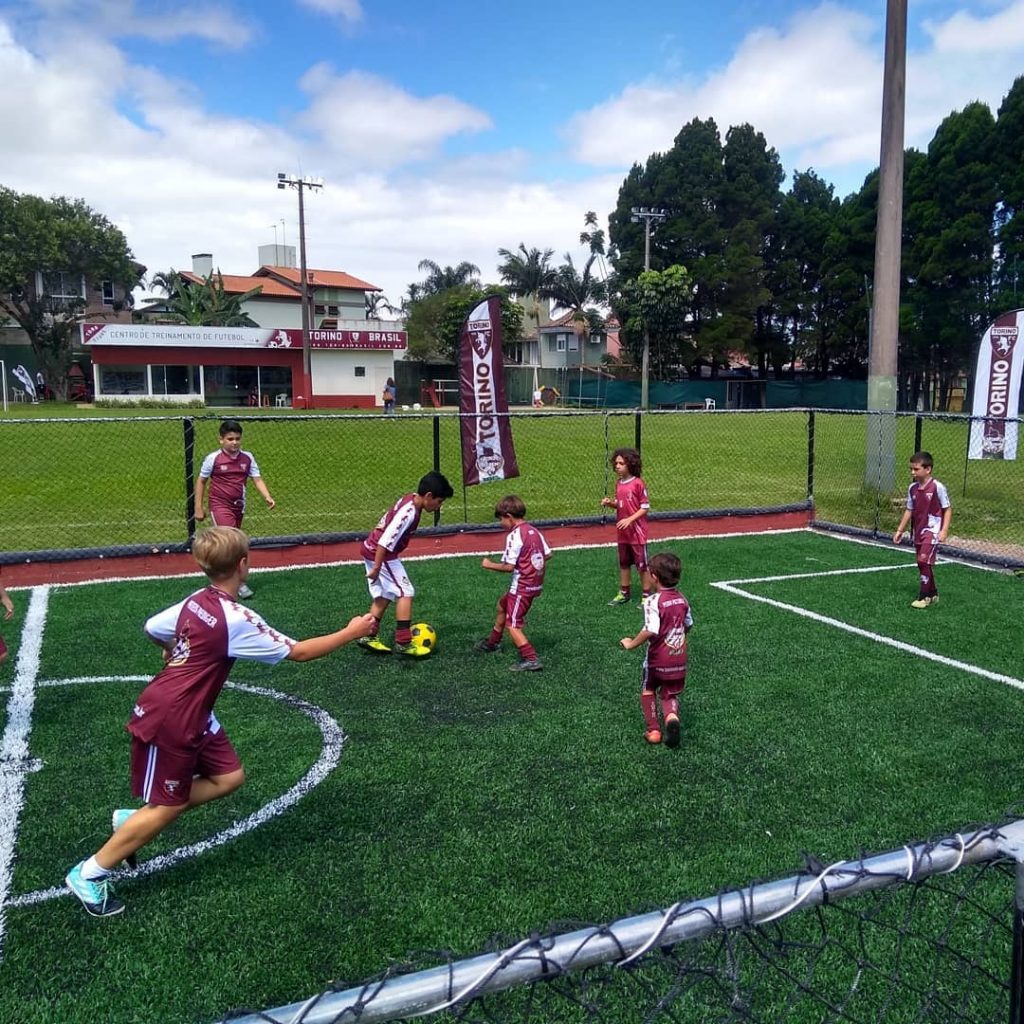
123	485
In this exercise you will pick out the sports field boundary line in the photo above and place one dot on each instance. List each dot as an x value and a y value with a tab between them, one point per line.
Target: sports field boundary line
734	587
14	751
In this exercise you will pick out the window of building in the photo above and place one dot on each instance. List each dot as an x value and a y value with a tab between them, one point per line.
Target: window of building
332	310
122	380
320	309
574	342
175	380
560	343
107	287
60	285
360	371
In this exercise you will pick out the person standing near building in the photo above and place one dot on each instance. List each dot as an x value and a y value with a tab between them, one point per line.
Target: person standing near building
390	394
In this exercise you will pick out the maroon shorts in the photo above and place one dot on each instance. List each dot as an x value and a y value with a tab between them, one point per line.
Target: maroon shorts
927	548
3	647
633	554
652	679
164	777
515	607
226	515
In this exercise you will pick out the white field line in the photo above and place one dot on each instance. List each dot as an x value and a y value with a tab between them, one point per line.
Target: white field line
489	549
734	587
15	762
902	549
330	755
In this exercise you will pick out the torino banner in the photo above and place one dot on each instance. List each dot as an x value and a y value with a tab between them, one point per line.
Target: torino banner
487	451
997	389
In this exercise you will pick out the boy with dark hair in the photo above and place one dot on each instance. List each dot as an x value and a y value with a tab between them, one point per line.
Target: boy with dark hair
525	556
631	506
667	621
386	576
929	508
181	756
229	469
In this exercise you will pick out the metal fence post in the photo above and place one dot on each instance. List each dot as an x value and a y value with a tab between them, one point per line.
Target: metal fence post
638	431
437	455
918	423
810	454
189	430
1017	963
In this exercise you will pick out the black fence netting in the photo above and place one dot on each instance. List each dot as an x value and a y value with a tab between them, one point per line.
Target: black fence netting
120	485
926	933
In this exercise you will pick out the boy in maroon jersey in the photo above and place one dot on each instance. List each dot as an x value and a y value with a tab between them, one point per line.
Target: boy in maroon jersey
181	756
667	621
631	506
525	556
229	469
386	577
929	507
8	615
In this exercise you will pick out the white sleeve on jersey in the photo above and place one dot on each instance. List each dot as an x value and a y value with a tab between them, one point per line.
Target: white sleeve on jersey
513	545
164	625
910	498
942	494
652	614
397	527
250	637
206	469
254	470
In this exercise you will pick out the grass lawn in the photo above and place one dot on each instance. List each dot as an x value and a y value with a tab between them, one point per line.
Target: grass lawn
470	801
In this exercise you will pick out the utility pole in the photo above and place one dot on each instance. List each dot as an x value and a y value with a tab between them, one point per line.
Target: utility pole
880	457
648	216
301	184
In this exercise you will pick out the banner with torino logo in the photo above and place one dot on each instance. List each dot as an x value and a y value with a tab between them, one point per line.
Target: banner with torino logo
997	379
487	450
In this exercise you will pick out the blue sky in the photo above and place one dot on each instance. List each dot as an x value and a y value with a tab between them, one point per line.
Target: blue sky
445	130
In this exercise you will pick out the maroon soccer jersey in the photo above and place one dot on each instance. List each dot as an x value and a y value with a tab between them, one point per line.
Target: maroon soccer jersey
394	529
528	551
667	615
228	475
210	630
630	497
926	503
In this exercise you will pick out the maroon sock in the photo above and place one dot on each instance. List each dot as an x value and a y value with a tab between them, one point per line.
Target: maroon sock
649	705
527	653
403	634
670	706
495	637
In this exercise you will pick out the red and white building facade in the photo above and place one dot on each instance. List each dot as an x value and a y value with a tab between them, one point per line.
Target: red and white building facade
350	357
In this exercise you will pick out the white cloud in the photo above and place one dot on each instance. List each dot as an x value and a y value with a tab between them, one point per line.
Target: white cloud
370	122
813	88
350	11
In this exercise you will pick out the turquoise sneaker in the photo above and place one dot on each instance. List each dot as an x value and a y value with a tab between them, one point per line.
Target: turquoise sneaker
120	816
94	894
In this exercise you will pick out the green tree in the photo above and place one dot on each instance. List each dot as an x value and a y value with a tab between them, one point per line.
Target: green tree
528	274
1008	158
440	278
658	300
580	292
204	303
50	236
434	322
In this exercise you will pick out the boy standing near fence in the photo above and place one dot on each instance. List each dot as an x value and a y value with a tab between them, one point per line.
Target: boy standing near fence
385	575
667	621
181	757
229	469
525	556
929	511
631	506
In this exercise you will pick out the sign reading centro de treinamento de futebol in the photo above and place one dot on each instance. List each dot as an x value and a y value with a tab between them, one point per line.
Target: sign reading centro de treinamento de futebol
175	335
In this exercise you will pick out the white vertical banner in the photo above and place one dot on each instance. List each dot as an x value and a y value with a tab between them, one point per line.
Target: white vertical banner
997	379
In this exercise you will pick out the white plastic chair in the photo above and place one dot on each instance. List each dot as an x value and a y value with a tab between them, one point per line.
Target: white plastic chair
709	403
281	401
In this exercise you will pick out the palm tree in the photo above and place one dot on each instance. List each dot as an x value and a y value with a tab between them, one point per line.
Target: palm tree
529	275
580	292
375	302
204	303
440	279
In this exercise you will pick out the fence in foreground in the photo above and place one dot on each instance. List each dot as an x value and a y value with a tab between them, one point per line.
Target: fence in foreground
927	932
121	485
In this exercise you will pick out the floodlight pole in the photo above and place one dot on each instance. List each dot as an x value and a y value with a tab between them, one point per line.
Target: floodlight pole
648	216
885	311
301	184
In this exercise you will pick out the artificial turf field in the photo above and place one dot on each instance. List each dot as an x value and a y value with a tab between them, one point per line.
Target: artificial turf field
467	801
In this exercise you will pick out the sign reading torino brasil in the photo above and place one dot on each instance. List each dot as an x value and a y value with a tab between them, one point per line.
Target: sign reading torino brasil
174	335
